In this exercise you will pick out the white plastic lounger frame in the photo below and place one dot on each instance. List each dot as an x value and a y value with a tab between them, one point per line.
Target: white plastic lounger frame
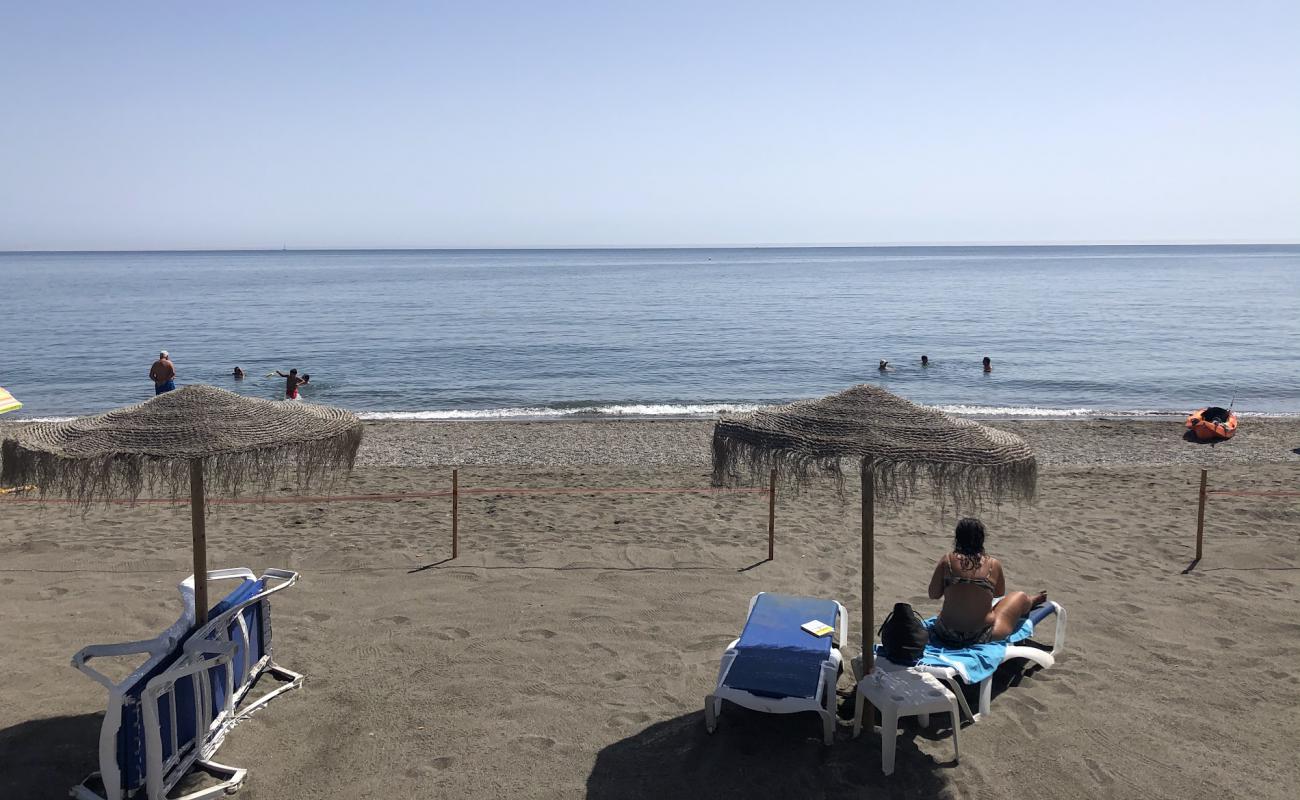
157	648
823	701
954	677
205	649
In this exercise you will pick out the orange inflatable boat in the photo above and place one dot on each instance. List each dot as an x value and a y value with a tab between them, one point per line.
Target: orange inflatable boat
1212	423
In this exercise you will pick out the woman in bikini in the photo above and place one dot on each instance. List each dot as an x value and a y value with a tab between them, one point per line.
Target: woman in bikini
968	579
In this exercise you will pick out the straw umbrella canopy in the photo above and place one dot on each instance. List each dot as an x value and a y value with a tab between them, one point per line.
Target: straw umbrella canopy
182	441
900	446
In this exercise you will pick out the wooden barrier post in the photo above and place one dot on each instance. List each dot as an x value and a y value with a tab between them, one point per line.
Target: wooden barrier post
771	517
1200	516
455	502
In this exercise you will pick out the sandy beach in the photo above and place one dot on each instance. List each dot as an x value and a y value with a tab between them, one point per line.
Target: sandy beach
566	652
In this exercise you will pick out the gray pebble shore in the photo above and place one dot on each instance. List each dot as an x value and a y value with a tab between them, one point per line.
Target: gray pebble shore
659	443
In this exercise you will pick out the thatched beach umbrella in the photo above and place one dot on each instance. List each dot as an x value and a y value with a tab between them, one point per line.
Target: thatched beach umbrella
177	441
899	445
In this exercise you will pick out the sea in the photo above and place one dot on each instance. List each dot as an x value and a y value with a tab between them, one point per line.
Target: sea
619	333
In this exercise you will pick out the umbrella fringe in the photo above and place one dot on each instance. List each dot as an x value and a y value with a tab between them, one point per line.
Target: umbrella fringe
903	444
128	476
966	486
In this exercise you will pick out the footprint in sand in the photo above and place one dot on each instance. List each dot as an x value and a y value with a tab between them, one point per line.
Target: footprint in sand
450	634
533	743
51	592
600	648
616	676
535	634
430	769
316	616
1100	774
709	643
629	718
397	619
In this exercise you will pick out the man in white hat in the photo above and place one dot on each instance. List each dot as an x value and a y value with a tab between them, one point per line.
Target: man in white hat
163	374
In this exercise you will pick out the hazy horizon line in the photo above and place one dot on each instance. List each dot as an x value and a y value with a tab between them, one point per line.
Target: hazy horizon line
597	247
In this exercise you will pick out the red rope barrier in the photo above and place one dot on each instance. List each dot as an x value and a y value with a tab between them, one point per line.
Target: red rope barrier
394	496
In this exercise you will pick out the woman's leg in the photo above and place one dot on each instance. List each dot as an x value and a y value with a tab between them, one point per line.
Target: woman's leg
1013	608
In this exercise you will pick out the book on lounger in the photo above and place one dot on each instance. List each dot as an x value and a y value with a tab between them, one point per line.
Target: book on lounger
817	628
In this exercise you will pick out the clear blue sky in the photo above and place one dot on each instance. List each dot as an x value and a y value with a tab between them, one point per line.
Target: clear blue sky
550	123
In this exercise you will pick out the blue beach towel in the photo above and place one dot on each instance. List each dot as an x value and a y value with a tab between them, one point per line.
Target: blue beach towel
974	663
775	657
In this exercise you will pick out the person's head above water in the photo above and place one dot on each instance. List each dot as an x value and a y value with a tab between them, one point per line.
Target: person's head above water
925	360
988	363
883	363
162	354
969	537
305	377
293	371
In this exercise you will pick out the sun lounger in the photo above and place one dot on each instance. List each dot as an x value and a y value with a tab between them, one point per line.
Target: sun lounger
976	665
779	668
173	711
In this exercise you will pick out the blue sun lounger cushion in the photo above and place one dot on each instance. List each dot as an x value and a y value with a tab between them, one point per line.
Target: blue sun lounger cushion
776	666
775	657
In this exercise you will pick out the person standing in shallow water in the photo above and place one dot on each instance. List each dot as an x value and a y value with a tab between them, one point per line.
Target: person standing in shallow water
291	383
163	374
988	364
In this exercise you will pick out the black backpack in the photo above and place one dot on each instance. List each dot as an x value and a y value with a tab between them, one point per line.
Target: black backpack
903	635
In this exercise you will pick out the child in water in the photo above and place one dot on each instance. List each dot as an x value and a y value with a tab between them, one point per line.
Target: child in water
292	382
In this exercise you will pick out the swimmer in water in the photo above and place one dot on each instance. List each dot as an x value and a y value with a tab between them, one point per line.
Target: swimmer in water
884	365
988	364
925	361
238	373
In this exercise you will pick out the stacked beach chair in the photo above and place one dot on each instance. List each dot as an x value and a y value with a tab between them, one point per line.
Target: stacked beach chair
171	714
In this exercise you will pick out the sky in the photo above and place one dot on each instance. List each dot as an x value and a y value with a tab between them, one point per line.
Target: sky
170	125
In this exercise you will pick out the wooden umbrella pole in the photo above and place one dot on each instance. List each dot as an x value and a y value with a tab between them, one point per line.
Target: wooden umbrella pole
455	512
868	567
771	517
198	525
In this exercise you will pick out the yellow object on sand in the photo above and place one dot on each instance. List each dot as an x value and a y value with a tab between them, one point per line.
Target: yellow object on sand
8	402
16	489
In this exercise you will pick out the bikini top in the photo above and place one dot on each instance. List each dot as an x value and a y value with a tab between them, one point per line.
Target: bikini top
950	579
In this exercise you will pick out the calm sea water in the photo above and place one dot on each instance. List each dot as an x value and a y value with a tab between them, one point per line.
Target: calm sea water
450	334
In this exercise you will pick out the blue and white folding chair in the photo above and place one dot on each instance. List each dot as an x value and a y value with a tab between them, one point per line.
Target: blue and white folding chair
779	668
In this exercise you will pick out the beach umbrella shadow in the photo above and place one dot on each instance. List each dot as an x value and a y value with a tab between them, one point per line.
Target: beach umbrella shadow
41	755
753	756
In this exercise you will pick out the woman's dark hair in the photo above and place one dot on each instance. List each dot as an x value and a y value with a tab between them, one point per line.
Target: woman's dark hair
969	538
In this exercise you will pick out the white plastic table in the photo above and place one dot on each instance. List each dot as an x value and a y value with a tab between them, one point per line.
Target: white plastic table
904	693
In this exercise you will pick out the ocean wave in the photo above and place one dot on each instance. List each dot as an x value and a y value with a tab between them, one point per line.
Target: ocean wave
1026	411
